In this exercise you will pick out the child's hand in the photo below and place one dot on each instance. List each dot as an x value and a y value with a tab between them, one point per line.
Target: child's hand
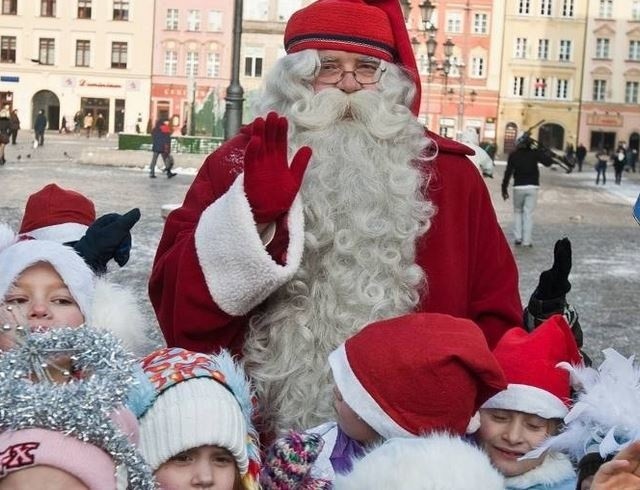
622	472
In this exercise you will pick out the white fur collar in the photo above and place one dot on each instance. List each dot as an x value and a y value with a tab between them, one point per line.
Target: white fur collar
555	468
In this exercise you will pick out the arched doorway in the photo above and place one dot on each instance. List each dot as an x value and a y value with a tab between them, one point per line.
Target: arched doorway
510	135
551	135
48	102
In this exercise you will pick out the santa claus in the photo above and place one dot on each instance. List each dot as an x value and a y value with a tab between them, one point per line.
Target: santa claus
334	210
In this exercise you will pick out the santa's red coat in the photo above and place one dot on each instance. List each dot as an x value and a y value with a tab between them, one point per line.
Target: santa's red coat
198	284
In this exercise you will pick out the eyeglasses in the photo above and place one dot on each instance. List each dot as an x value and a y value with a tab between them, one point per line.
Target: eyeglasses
365	74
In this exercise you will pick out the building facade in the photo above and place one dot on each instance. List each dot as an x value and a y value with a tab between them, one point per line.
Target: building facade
192	51
610	111
76	57
461	90
542	71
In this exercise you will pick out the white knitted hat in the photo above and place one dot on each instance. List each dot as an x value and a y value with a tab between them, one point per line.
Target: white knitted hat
78	277
191	414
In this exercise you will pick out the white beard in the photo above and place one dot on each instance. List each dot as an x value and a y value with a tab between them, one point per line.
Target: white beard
364	211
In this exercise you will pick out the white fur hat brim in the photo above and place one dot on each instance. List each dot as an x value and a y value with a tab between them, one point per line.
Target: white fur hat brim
75	273
437	462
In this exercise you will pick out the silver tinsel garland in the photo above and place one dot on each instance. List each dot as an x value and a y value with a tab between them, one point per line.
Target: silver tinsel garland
80	408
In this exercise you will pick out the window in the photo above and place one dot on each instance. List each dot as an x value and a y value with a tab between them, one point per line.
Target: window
545	7
84	9
524	6
9	7
599	90
540	87
635	10
120	10
193	61
252	66
517	88
543	49
171	63
477	67
47	8
634	50
606	9
193	20
7	49
454	22
562	88
631	92
47	51
171	22
83	50
520	48
213	65
118	54
567	8
480	22
602	47
214	20
564	53
454	71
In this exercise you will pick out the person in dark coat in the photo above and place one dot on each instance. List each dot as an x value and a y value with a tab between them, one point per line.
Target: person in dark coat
101	125
581	154
39	127
14	125
161	145
522	165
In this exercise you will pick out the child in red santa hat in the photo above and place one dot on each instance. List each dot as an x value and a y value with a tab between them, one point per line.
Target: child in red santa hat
44	284
66	216
405	377
519	419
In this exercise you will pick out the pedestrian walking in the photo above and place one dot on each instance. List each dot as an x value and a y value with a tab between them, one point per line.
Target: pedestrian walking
632	158
619	159
523	166
14	125
77	122
161	145
5	131
581	154
602	157
39	127
101	125
87	123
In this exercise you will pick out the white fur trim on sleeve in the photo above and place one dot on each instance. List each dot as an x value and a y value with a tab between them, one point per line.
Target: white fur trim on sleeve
238	270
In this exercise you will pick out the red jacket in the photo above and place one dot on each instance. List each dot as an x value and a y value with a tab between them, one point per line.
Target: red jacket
470	269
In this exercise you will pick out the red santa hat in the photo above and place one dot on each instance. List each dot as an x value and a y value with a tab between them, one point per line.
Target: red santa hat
416	374
370	27
57	214
530	361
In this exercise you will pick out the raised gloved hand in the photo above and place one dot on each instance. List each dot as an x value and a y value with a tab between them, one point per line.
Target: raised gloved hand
270	183
108	237
549	297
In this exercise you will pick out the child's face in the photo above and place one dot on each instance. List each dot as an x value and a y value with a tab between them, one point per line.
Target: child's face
201	467
507	435
351	423
40	297
41	477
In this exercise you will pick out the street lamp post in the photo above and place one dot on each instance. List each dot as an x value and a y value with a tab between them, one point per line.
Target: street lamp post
429	31
235	93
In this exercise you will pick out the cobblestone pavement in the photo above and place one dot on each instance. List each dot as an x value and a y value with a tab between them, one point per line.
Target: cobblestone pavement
605	238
